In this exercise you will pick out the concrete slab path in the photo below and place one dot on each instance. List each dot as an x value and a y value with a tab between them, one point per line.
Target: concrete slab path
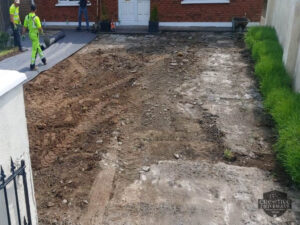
71	43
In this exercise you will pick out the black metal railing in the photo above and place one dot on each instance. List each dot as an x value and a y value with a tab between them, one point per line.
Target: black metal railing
15	174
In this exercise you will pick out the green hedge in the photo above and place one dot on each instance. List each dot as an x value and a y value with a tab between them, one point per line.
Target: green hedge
279	98
3	40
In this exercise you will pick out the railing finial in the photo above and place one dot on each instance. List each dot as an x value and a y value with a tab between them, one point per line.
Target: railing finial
12	165
25	222
2	174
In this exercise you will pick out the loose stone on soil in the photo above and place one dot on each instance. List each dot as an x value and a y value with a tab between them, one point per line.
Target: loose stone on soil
50	204
146	168
177	156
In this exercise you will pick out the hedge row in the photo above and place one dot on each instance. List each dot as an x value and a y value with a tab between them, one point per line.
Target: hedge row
279	98
3	40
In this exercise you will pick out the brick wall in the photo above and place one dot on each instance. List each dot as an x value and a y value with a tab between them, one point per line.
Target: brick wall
48	11
174	11
24	8
112	8
169	10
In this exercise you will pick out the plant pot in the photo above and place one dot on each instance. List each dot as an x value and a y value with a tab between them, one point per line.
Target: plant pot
105	26
239	23
153	27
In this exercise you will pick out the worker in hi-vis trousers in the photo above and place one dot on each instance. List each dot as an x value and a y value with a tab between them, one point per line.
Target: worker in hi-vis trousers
33	24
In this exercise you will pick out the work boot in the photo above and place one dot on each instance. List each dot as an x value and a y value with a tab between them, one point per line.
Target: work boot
44	61
32	67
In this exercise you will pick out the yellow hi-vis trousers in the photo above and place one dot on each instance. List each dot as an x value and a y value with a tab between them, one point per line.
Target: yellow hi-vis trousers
36	48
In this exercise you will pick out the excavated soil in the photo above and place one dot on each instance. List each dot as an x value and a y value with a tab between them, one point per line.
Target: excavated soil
131	128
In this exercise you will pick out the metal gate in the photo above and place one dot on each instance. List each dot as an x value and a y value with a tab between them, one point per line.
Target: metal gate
4	14
16	173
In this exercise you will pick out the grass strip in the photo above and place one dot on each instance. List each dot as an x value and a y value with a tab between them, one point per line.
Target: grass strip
5	52
279	98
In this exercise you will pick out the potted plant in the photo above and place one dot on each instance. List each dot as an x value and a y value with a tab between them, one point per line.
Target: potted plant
240	23
154	21
105	21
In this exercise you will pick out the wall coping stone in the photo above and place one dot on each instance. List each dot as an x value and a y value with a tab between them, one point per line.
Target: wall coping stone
9	79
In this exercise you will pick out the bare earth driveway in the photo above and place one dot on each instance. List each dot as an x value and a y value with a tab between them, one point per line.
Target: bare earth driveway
131	130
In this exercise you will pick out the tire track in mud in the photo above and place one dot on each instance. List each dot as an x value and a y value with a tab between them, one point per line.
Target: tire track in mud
77	65
83	127
91	117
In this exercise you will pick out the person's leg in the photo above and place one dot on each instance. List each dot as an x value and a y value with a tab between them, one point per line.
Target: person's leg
33	55
40	52
79	18
39	49
35	44
18	35
86	18
14	33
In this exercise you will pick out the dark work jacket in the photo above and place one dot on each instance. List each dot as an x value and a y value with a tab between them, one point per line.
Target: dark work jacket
83	3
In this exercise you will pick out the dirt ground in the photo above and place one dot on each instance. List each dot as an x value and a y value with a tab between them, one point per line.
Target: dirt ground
133	129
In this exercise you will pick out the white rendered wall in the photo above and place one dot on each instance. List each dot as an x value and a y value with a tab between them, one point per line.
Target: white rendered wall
14	143
284	15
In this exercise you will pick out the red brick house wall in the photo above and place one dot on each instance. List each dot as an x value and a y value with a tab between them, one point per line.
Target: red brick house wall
112	8
174	11
24	8
51	13
169	11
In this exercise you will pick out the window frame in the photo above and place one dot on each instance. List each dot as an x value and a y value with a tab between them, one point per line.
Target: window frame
205	1
70	3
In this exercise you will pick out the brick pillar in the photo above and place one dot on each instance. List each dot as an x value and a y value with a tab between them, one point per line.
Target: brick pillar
24	9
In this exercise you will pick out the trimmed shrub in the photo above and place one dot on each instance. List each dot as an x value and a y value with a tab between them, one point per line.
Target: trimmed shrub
268	47
104	14
255	34
288	148
279	98
268	65
283	105
154	14
3	40
267	33
274	81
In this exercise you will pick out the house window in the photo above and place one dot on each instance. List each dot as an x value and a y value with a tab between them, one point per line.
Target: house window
204	1
69	3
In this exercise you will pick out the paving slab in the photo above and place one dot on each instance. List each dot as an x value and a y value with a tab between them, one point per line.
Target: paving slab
71	43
